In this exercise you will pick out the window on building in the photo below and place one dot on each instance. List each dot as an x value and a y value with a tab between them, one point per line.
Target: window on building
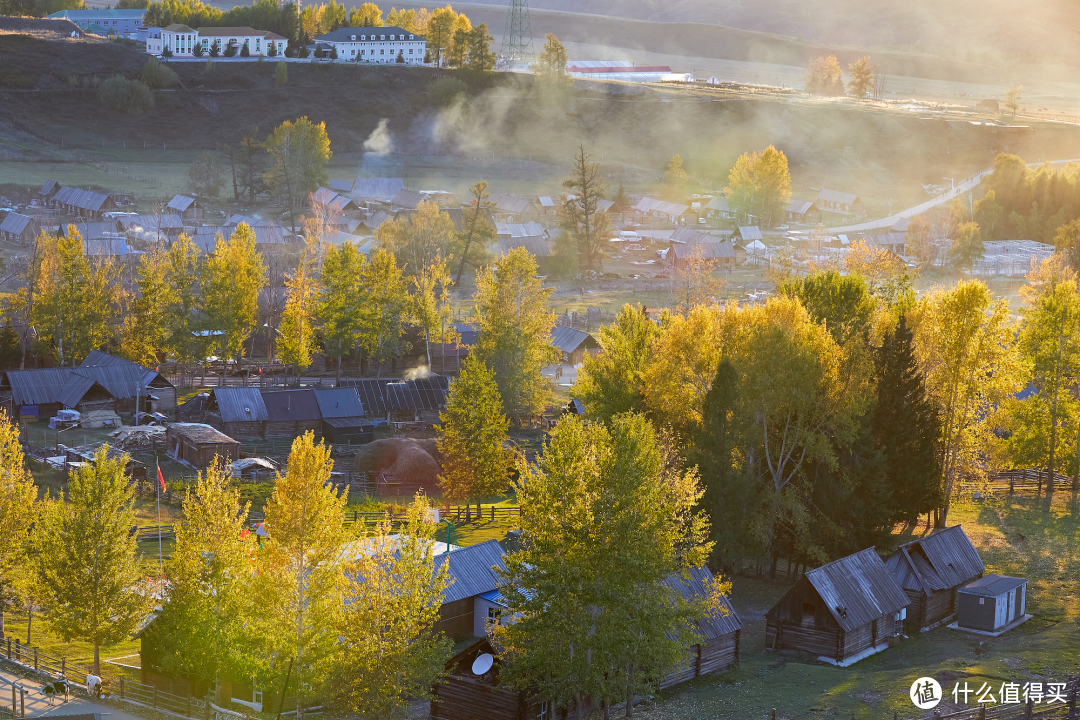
382	52
391	37
493	617
382	37
410	52
544	712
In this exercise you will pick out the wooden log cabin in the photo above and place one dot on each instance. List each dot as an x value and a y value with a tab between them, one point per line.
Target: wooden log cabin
719	632
841	612
930	571
471	603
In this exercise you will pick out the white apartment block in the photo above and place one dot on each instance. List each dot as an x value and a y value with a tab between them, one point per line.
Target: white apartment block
376	45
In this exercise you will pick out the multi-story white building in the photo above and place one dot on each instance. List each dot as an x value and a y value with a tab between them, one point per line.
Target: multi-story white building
117	22
152	37
182	41
376	45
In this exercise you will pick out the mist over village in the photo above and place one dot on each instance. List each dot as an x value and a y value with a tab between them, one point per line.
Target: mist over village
539	360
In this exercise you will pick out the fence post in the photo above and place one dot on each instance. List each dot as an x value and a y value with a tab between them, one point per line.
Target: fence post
492	513
189	704
153	702
1072	704
9	651
1030	709
121	688
35	659
63	667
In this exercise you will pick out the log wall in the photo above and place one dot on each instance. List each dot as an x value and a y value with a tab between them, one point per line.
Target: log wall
463	698
456	618
714	655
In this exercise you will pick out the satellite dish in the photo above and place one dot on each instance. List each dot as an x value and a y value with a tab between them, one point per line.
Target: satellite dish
482	664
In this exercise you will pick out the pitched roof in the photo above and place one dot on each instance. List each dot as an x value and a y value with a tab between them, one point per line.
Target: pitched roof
472	570
648	205
345	34
546	201
242	404
537	247
407	198
264	235
837	197
93	230
508	203
180	203
799	207
378	395
323	196
177	28
15	223
50	186
83	199
166	221
901	225
232	32
568	339
943	559
120	378
341	186
690	236
338	403
201	433
721	621
704	250
108	246
718	203
750	232
519	230
992	585
337	237
376	220
857	589
371	188
291	406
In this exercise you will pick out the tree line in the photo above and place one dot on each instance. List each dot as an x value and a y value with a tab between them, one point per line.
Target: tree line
841	407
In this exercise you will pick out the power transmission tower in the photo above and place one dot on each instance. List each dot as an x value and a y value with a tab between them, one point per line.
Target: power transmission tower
517	44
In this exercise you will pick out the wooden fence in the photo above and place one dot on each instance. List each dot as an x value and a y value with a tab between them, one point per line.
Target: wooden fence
1030	478
55	668
1020	711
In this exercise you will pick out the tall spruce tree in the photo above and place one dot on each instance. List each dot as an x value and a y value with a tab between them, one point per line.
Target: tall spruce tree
907	428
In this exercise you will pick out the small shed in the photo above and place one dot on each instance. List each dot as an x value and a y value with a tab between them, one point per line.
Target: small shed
931	570
747	233
573	344
48	190
841	202
290	413
343	416
198	444
992	604
841	612
718	631
185	207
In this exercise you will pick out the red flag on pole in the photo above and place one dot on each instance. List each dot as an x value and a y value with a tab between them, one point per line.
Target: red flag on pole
160	479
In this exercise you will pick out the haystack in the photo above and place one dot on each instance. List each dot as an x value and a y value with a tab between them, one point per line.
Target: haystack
410	463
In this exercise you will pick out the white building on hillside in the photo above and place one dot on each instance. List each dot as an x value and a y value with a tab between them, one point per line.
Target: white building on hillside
258	42
376	45
115	22
178	39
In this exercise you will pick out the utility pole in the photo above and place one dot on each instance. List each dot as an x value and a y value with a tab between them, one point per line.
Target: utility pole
517	40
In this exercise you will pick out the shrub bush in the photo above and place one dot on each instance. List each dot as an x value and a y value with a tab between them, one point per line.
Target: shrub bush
230	51
166	52
155	75
272	50
302	52
123	95
197	51
244	52
215	49
281	73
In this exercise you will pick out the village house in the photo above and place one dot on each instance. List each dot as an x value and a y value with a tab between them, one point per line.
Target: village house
666	211
931	570
376	45
472	690
992	605
343	416
397	399
718	208
747	234
257	42
83	203
19	229
840	612
530	235
718	254
197	444
573	344
803	212
469	603
341	186
48	191
512	209
406	200
151	228
376	189
841	202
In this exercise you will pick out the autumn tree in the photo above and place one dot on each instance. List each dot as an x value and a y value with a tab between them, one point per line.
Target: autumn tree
862	77
251	159
872	262
967	247
550	67
675	181
367	15
581	216
181	317
989	216
210	624
760	185
302	573
515	322
18	509
610	515
612	381
231	280
388	300
206	175
341	308
389	654
1012	97
298	153
478	233
966	350
145	332
692	279
920	237
481	57
825	76
298	318
472	437
89	537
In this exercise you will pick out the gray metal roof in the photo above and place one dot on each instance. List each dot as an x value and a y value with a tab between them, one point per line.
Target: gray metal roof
323	196
650	205
180	203
50	186
520	230
239	404
120	378
992	585
706	250
291	406
508	203
901	225
345	34
338	403
799	207
568	339
373	188
37	387
718	203
537	246
106	246
472	570
15	223
341	186
721	621
264	235
200	433
408	198
83	199
857	589
750	232
942	560
378	395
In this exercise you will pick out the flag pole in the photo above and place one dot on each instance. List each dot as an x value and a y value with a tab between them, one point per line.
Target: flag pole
161	484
